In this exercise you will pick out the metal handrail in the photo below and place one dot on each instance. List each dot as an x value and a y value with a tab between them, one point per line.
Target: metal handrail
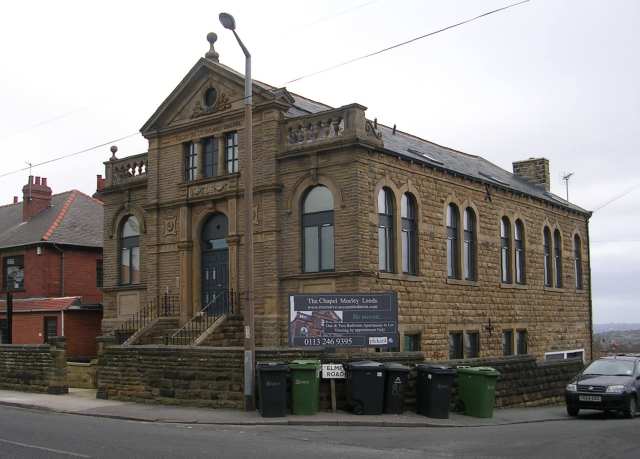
162	306
203	319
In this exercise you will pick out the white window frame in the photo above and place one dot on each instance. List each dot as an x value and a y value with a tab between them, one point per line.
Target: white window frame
564	354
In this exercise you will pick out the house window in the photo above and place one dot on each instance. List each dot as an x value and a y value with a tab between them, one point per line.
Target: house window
210	163
564	355
317	230
453	218
469	257
471	345
4	331
50	328
548	269
231	152
412	342
519	248
507	342
190	161
522	339
99	273
505	250
385	230
456	349
13	272
130	251
577	249
557	257
409	239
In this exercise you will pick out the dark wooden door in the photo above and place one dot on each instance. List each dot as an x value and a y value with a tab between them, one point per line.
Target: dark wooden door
215	281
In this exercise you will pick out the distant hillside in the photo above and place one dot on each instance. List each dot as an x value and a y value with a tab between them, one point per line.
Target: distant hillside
617	341
602	328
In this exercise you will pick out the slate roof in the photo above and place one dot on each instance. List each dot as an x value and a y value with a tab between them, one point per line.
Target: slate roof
73	219
438	156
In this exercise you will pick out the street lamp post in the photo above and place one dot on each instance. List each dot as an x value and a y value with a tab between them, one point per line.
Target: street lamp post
228	22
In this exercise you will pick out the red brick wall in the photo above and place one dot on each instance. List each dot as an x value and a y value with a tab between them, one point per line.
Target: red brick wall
42	273
81	329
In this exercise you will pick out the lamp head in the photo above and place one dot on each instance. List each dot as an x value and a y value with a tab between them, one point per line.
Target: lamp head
227	21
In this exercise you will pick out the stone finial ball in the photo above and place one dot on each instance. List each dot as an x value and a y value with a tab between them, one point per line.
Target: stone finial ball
114	149
212	37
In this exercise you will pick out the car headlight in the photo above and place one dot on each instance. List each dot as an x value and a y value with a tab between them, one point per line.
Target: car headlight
572	388
617	389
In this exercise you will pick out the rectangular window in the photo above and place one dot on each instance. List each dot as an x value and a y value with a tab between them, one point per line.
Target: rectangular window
13	273
210	163
231	152
469	262
385	254
507	342
190	161
471	345
326	245
4	331
99	273
50	328
455	345
311	249
125	263
412	343
135	265
522	342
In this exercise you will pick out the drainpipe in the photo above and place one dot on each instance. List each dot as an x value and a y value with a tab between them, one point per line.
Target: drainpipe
61	269
62	324
590	292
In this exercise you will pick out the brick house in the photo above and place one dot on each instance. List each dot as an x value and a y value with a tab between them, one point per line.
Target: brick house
485	262
51	260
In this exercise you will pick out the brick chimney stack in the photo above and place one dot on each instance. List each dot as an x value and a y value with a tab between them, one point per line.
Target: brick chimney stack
99	187
535	170
15	200
36	197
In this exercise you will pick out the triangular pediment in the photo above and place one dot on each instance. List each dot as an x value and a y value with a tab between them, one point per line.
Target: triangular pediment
188	101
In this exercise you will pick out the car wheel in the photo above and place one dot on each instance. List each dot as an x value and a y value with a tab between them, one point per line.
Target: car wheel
630	412
572	410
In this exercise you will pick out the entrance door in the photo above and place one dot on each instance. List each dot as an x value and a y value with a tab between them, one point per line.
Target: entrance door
215	266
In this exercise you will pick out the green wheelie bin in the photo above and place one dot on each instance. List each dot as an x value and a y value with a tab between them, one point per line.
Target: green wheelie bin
305	386
477	390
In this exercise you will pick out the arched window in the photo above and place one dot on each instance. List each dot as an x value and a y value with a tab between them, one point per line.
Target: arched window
385	230
453	254
505	250
557	257
317	230
547	257
469	256
130	251
409	238
577	255
521	277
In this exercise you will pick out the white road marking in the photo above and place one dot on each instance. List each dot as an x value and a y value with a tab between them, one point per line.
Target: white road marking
51	450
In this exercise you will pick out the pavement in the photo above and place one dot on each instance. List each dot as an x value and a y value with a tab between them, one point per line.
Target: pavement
83	402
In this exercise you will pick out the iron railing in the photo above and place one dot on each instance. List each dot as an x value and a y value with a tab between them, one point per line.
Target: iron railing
162	306
223	302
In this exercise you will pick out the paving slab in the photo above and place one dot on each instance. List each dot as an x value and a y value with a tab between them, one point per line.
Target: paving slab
84	402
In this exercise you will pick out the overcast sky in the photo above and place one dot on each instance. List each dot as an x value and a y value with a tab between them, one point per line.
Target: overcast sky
551	78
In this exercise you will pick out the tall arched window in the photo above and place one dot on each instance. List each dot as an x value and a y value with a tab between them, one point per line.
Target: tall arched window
385	230
409	238
577	256
453	254
548	269
521	277
130	251
505	250
557	257
317	230
469	256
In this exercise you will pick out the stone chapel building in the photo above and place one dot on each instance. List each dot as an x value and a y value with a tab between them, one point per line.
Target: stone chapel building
484	262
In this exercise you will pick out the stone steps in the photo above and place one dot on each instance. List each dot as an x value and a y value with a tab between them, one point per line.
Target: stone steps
230	333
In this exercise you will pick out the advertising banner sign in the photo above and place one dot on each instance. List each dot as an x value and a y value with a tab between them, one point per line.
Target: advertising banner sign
343	320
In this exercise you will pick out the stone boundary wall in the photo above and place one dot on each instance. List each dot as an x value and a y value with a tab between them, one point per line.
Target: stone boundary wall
213	376
34	367
180	375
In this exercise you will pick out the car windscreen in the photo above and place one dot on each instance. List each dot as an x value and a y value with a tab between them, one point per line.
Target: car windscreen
610	367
